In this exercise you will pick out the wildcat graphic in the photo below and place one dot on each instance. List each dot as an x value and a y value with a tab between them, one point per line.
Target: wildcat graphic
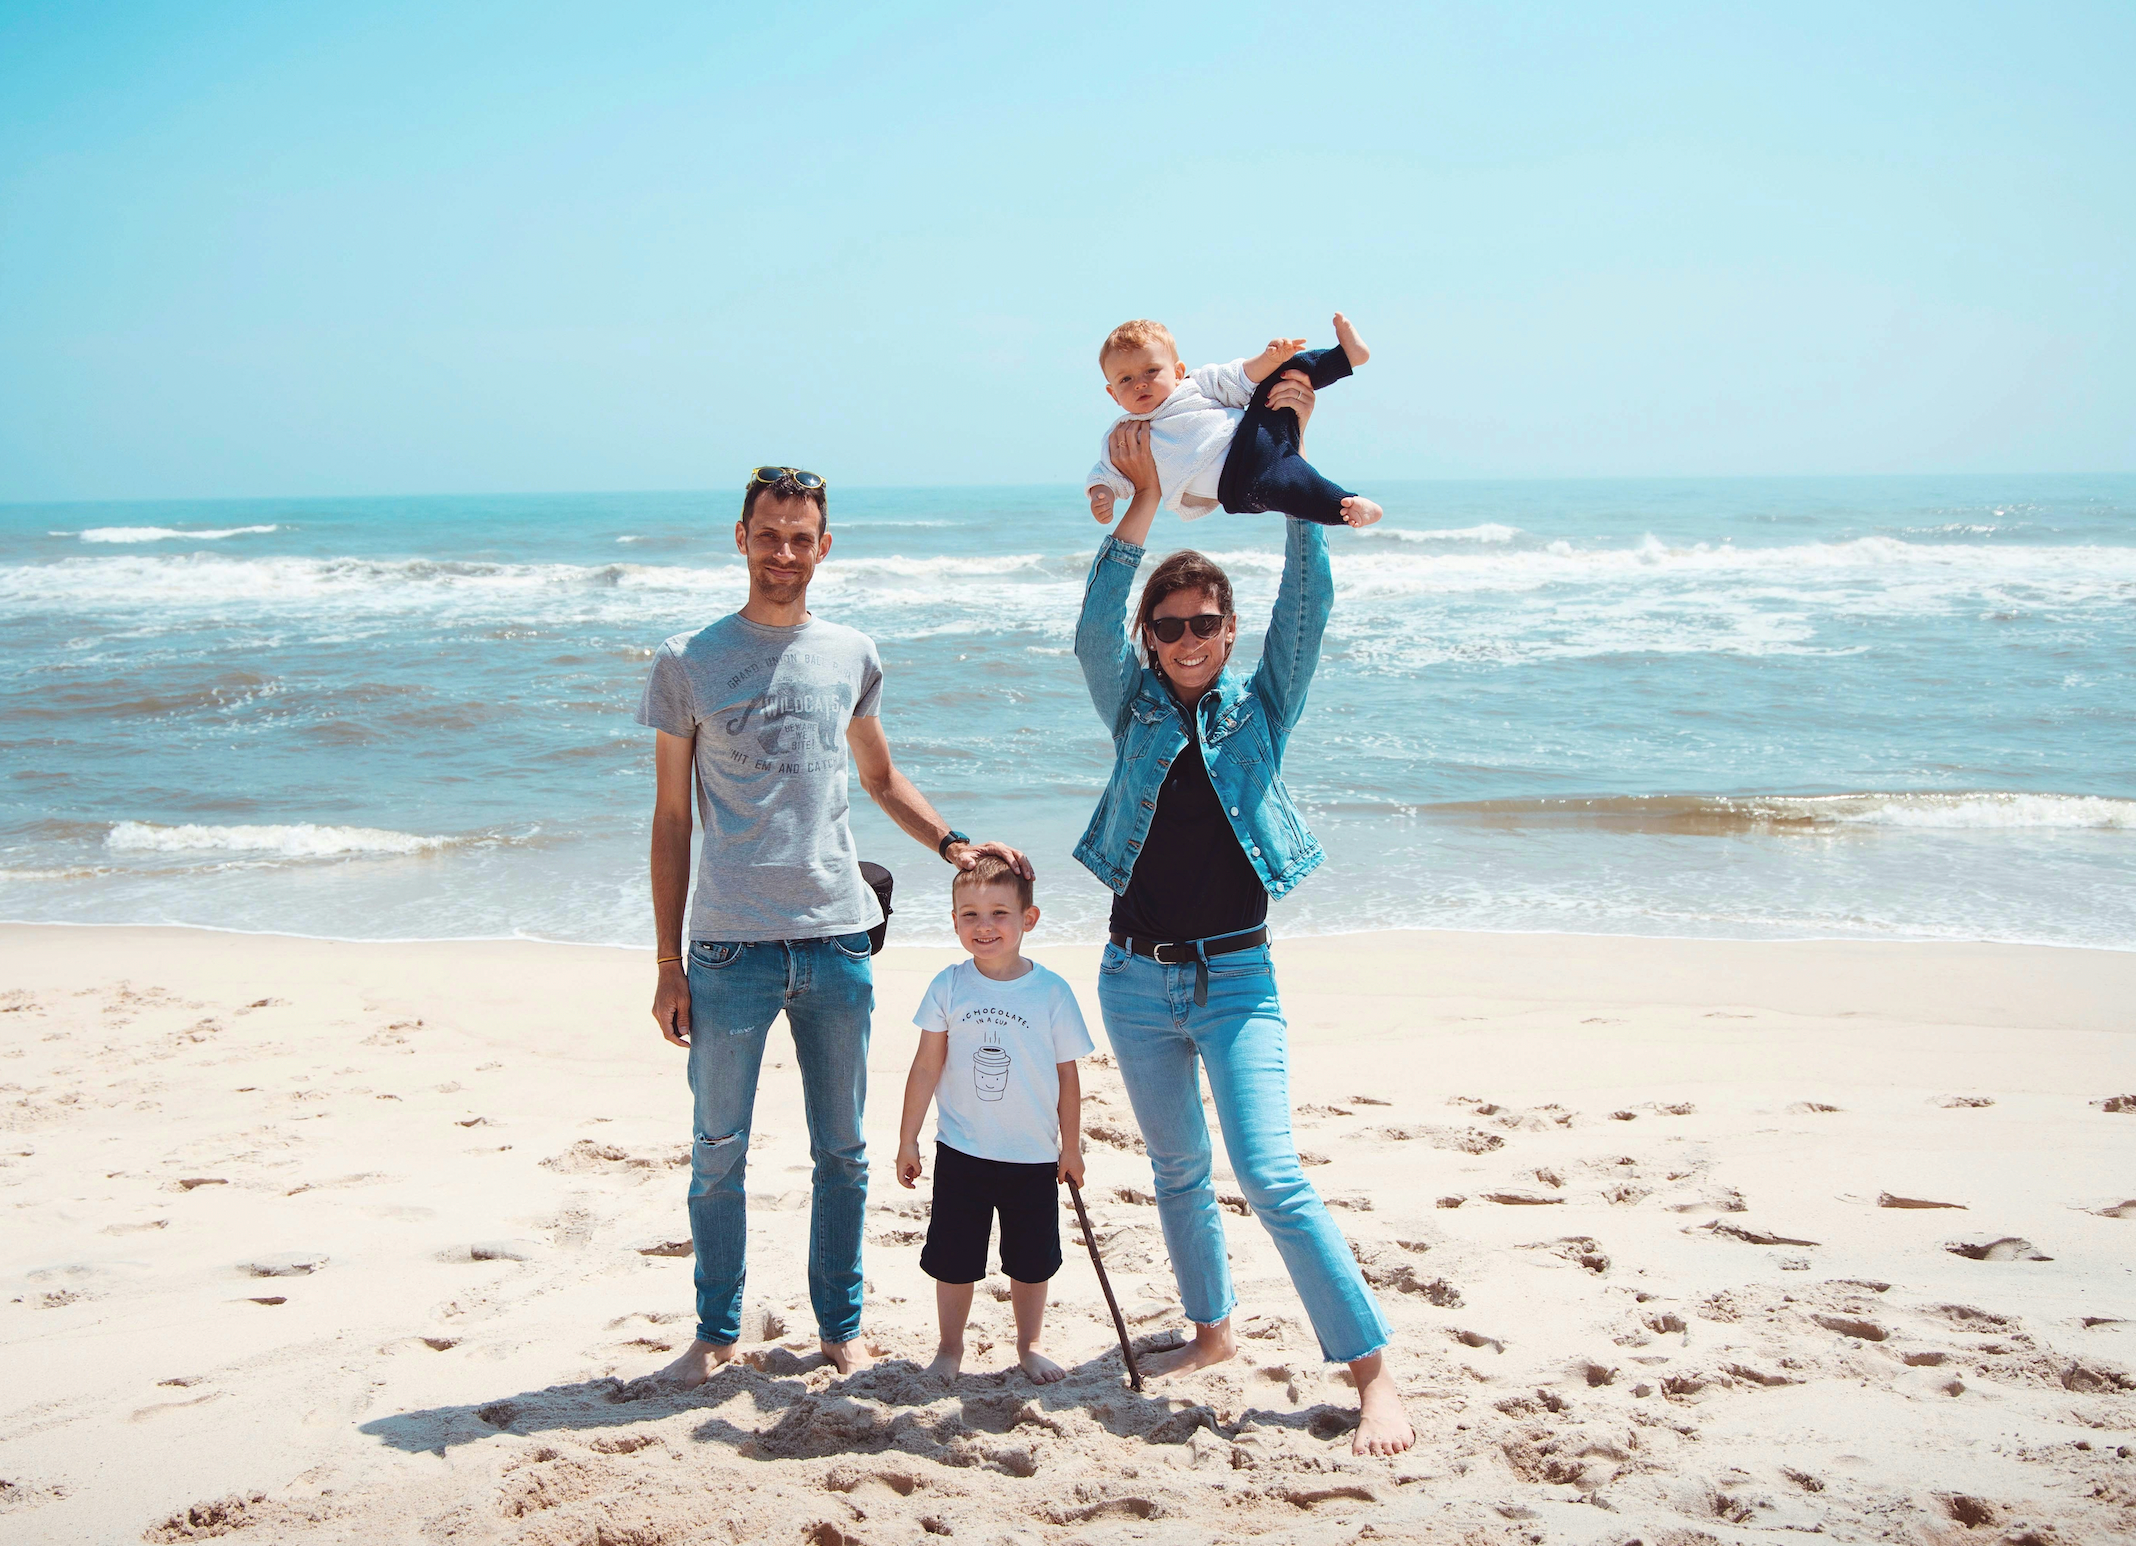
793	722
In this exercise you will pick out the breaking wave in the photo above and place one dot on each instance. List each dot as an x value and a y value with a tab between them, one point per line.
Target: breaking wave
165	533
301	840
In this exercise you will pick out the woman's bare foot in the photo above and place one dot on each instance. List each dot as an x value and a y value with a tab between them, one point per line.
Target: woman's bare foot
1041	1369
1382	1426
846	1357
948	1362
1352	345
698	1363
1211	1344
1360	511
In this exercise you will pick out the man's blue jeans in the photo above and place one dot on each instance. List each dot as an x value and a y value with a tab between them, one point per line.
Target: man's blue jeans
1157	1034
827	989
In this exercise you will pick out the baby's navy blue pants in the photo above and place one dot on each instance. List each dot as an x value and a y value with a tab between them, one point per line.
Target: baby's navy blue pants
1263	469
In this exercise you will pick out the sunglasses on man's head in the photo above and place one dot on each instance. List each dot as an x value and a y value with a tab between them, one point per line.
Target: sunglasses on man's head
807	480
1169	629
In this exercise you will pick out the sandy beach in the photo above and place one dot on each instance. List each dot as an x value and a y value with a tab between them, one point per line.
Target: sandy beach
1684	1241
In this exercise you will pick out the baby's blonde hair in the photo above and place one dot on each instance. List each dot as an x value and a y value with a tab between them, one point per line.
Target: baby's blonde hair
1139	334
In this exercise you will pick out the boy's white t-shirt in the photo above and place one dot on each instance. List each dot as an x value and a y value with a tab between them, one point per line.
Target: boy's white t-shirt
999	1095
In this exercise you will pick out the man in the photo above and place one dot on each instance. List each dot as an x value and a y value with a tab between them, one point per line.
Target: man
756	713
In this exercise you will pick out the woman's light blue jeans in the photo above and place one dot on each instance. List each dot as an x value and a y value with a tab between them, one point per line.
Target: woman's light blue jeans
1158	1034
827	990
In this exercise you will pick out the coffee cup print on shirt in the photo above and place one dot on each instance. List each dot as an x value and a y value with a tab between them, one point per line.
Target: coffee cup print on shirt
990	1072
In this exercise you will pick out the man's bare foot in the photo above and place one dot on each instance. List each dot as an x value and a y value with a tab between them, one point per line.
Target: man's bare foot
1352	345
1360	511
948	1362
846	1357
1211	1344
699	1362
1382	1426
1041	1369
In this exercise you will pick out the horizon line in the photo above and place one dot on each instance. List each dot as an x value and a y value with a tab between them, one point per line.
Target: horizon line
607	493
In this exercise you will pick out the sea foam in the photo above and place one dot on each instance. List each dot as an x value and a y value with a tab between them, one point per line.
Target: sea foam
300	840
166	533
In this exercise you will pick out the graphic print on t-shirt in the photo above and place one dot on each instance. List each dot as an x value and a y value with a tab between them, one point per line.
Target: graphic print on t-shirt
790	720
999	1093
990	1068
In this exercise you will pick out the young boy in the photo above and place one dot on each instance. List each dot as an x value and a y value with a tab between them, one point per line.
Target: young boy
1215	439
999	1037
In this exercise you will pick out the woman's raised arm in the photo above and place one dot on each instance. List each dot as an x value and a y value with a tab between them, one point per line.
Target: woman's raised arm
1102	647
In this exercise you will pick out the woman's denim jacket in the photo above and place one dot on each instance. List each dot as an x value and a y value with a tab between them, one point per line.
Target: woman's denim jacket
1243	729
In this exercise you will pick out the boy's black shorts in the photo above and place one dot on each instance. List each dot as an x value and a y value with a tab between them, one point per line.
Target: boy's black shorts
968	1192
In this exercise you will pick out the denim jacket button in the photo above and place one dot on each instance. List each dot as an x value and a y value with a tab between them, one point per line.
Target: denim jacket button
1257	853
1234	810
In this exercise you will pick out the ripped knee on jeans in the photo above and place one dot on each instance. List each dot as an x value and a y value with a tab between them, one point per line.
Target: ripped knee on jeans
704	1149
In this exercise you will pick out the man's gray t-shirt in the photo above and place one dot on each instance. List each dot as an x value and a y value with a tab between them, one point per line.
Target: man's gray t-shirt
769	708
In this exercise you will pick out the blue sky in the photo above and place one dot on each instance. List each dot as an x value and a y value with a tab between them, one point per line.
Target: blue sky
280	249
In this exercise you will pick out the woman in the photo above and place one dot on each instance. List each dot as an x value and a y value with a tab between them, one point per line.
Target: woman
1194	834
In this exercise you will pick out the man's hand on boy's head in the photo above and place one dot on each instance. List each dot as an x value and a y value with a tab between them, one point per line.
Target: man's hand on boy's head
1102	500
965	855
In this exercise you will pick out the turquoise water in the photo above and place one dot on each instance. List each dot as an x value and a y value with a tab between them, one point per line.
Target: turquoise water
1888	708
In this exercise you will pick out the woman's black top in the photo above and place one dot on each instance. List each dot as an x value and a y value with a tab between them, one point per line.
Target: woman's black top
1191	879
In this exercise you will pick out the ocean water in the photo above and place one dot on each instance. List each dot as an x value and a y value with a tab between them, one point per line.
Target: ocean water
1880	708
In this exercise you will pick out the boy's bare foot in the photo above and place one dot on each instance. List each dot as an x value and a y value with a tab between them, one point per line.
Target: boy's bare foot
1041	1369
846	1357
948	1363
698	1363
1382	1426
1211	1345
1360	511
1352	345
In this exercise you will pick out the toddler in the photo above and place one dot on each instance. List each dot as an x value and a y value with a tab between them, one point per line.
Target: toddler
1215	439
999	1037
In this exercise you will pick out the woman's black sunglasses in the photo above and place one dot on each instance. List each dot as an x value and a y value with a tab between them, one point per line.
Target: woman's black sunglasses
1169	629
807	480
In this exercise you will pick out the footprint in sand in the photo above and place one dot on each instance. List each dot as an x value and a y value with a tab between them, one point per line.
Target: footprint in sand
1962	1102
1888	1200
2120	1210
2006	1248
2121	1105
285	1264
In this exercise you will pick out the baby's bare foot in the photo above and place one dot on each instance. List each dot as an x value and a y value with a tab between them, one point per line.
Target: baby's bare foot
1352	345
698	1363
1360	511
1043	1370
948	1363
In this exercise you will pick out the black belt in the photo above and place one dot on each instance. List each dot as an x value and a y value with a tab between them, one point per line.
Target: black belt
1180	952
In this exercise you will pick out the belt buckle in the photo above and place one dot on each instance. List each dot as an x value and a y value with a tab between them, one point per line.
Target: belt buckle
1158	953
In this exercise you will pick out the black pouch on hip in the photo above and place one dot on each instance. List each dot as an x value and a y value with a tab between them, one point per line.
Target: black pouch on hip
879	882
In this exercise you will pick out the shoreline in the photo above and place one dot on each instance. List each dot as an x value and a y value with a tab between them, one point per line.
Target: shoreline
365	1241
1098	944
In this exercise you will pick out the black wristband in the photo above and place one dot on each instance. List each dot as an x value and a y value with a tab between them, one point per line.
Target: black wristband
954	836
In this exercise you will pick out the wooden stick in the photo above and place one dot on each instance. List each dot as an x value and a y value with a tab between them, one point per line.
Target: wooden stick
1134	1375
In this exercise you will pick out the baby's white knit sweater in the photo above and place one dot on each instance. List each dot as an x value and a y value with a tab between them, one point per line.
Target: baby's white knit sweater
1190	432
